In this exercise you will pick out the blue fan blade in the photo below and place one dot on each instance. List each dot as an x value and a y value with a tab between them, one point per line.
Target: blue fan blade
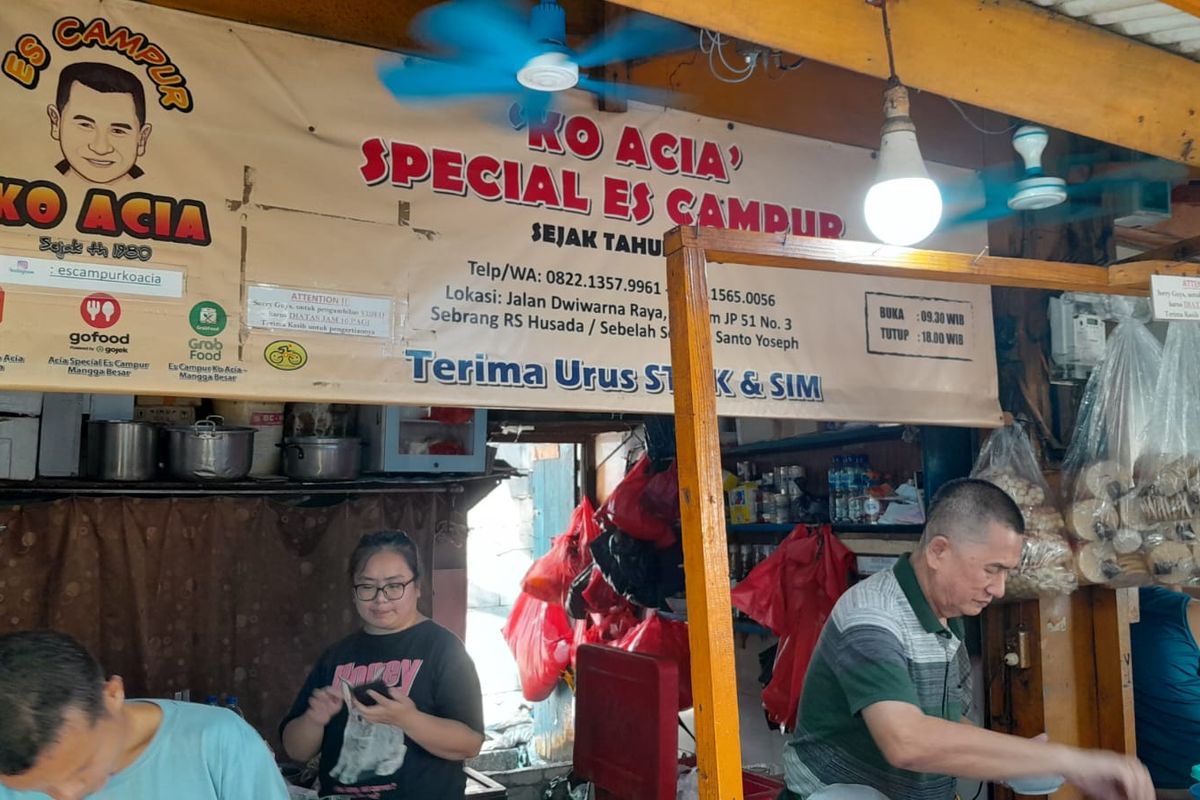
431	80
534	105
635	36
481	30
624	91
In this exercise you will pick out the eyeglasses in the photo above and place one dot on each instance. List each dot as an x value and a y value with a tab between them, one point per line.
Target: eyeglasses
366	592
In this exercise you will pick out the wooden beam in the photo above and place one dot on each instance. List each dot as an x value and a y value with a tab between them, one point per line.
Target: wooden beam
1071	710
1181	250
867	258
1186	194
369	22
821	102
1111	610
1135	275
1006	55
1065	666
383	25
702	508
1144	238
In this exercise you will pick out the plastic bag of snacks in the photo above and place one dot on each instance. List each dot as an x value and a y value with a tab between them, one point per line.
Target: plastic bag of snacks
1165	507
1103	508
1047	563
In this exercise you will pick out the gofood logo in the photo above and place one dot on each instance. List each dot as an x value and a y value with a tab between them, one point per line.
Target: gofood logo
109	343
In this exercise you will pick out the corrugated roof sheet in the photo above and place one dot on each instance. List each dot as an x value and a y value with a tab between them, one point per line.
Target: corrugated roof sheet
1154	23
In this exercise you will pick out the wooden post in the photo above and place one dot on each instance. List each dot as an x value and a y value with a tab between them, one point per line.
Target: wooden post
702	507
688	251
1112	610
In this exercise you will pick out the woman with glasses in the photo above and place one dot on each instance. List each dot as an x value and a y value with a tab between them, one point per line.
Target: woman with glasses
395	708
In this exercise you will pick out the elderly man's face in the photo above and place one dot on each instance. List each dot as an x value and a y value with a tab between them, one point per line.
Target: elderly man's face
99	133
971	572
83	756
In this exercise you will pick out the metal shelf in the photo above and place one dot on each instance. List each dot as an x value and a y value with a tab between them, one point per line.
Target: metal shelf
452	483
762	527
882	530
818	441
753	628
785	528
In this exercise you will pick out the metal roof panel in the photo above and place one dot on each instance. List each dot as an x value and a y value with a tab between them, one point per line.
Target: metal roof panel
1157	24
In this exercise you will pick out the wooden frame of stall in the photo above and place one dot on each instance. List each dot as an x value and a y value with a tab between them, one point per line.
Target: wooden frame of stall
688	252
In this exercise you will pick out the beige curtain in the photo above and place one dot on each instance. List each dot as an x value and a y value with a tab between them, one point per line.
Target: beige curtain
216	595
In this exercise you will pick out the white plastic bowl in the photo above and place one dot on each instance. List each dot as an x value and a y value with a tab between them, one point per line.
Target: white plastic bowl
1037	785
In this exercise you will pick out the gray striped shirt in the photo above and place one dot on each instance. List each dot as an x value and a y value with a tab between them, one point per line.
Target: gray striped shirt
882	642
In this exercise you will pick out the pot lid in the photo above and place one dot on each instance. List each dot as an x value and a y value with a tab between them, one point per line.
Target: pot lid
211	424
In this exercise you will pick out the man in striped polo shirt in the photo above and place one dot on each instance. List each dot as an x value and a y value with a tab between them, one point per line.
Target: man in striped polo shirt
889	683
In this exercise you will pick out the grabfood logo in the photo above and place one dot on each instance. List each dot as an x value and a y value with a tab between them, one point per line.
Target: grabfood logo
108	343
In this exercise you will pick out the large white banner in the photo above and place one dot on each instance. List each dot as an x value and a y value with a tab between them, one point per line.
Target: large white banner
190	206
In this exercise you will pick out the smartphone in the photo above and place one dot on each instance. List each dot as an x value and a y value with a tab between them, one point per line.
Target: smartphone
360	692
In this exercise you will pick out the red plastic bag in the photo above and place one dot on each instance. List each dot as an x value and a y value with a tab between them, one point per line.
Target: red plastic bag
667	638
625	511
661	496
451	416
549	578
540	637
600	596
792	593
603	628
760	594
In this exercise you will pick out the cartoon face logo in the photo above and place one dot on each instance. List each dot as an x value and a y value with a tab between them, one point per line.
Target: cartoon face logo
99	120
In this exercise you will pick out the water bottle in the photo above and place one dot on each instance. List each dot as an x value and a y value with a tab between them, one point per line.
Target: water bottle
839	512
858	476
212	700
1194	791
231	702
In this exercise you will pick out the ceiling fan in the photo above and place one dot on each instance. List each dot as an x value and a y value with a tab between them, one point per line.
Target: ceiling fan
490	50
996	193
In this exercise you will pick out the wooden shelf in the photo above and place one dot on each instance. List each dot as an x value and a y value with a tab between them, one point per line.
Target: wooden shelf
818	441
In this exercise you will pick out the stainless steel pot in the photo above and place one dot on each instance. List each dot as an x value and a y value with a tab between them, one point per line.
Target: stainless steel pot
209	451
322	458
121	450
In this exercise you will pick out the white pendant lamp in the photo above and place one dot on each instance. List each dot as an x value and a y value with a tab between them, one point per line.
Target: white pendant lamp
903	206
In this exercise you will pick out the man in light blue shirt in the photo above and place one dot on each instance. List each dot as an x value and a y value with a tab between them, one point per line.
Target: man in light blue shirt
67	732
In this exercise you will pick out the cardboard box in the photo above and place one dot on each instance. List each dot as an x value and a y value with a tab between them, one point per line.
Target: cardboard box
165	415
19	447
743	504
754	429
26	404
61	434
154	400
111	406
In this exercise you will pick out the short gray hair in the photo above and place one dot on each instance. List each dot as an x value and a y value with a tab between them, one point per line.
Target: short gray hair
962	508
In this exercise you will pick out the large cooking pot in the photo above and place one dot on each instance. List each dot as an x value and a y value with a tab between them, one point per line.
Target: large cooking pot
121	450
322	458
209	451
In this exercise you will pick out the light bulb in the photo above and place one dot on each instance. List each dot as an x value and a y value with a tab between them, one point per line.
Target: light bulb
903	211
904	205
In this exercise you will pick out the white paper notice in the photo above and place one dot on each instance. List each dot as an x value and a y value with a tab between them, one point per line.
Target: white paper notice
919	327
1175	297
313	311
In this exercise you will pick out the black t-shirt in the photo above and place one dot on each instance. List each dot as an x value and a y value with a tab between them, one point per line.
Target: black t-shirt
429	662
